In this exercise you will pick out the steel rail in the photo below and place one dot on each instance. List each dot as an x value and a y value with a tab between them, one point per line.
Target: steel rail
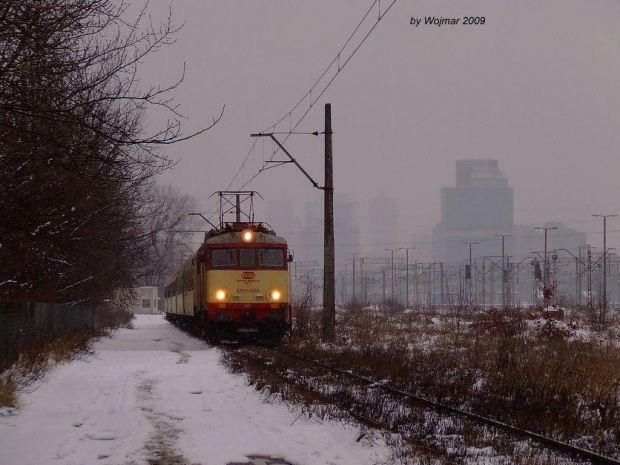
560	445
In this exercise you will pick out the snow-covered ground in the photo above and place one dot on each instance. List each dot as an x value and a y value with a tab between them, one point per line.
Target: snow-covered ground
155	395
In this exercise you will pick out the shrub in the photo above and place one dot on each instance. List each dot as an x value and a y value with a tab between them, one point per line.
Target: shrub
302	309
392	306
551	330
499	322
37	358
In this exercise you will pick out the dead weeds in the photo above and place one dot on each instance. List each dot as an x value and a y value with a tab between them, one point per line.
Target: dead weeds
495	364
37	359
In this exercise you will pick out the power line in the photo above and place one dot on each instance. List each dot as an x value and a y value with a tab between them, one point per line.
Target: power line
316	87
242	165
215	203
444	241
335	60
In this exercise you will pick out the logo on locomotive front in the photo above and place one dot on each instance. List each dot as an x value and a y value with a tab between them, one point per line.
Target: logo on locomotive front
248	275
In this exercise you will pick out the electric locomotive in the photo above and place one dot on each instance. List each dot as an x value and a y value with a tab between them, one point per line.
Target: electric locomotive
236	286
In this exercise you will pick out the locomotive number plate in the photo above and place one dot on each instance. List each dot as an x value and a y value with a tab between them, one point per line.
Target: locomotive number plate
247	291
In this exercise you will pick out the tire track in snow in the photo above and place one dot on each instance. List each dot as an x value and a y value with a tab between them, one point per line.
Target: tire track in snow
178	349
161	445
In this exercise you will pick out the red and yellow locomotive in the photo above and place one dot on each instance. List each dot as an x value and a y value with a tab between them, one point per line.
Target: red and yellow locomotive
235	286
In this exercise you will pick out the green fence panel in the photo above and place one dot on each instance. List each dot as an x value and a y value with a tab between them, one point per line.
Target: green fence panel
25	325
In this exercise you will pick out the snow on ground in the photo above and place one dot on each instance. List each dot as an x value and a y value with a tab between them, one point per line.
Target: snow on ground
153	394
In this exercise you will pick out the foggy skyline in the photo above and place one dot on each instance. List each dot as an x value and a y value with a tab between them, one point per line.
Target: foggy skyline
535	87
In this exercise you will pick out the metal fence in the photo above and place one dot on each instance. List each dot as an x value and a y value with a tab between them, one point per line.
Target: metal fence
25	325
578	282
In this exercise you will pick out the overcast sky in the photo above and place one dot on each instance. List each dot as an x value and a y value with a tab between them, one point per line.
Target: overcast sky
536	87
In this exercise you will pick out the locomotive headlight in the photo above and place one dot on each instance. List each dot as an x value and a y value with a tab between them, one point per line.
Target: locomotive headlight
221	295
275	295
247	236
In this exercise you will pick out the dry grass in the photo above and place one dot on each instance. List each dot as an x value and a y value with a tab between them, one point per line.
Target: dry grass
36	361
415	434
540	378
8	391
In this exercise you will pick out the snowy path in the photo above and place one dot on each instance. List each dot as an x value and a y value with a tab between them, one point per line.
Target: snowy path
155	395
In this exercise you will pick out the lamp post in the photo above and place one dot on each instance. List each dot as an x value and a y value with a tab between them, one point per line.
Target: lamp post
392	264
546	265
470	272
604	309
407	249
504	280
589	255
354	294
577	277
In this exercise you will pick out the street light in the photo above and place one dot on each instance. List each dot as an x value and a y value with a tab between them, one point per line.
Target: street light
392	250
504	280
470	271
577	275
354	295
604	309
407	249
546	275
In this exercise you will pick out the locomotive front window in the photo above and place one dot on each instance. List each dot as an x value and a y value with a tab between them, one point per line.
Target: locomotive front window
224	258
248	258
271	258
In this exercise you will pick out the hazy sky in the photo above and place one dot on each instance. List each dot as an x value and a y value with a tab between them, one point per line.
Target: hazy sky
536	87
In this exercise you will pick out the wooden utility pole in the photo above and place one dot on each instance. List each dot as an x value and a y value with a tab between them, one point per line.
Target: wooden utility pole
329	277
329	295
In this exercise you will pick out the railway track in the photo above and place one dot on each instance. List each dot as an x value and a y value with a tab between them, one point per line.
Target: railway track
575	451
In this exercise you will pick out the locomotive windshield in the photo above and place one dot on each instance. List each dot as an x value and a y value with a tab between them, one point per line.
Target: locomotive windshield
248	258
223	258
271	258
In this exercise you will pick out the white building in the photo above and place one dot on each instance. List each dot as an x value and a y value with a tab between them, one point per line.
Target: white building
146	300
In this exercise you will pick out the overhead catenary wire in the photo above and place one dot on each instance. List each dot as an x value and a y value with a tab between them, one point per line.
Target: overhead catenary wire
307	234
250	152
337	58
333	77
317	87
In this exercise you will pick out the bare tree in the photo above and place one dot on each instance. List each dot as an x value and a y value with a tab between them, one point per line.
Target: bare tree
165	221
76	163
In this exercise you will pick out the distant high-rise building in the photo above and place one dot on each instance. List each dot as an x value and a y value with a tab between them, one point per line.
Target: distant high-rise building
480	199
477	218
478	207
